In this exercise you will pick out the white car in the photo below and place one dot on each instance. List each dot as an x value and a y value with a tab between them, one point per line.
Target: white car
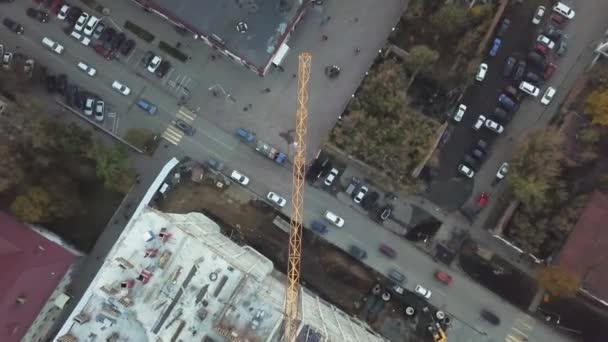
563	10
121	88
278	200
331	177
421	291
52	45
63	12
538	15
82	20
502	171
89	70
529	88
545	41
333	218
239	177
480	121
90	26
460	113
465	170
154	63
359	196
494	126
481	72
100	110
548	96
88	106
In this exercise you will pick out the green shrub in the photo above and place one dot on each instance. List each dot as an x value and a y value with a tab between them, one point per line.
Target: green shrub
140	32
172	51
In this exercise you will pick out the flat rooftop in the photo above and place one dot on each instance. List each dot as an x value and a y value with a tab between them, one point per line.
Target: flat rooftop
174	277
266	23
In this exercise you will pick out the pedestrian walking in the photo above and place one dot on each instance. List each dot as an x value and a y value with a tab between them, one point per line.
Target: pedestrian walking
324	37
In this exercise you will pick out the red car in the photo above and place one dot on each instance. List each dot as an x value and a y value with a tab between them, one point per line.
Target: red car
558	20
551	67
100	49
540	48
483	199
386	250
443	277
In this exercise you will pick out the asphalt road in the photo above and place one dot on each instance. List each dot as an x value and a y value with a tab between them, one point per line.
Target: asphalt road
463	300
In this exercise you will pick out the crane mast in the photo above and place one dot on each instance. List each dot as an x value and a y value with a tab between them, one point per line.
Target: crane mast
292	295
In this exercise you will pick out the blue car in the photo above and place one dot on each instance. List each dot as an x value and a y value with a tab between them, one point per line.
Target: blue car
495	47
147	106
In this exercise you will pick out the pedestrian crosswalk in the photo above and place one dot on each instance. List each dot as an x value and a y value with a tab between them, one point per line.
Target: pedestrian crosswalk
521	328
172	134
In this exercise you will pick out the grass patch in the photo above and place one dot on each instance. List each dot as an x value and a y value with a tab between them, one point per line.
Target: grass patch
175	53
140	32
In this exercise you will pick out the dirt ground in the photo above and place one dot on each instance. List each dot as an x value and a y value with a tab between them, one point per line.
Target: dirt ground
341	280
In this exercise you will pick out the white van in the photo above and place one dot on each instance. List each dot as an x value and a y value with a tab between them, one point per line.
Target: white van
90	26
563	10
52	45
529	88
84	40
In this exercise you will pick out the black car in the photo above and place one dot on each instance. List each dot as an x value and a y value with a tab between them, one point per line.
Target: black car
117	41
478	154
509	66
482	144
520	70
504	26
471	162
62	83
127	46
490	317
357	252
12	25
80	100
51	84
147	58
107	35
39	15
184	127
553	33
71	93
163	68
533	78
501	115
73	14
537	60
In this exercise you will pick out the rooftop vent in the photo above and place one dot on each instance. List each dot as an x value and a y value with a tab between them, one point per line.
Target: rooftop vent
21	300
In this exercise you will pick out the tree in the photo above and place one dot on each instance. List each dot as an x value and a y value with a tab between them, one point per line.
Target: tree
536	163
450	19
420	57
35	205
41	134
11	172
558	281
597	106
384	92
111	166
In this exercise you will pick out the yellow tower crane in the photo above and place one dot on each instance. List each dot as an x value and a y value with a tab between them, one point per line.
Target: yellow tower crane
292	295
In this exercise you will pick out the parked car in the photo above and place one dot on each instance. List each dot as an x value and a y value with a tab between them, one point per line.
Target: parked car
154	63
184	127
387	251
352	186
478	154
318	227
544	40
99	29
81	21
334	219
538	15
215	164
508	103
495	46
494	126
107	35
529	88
331	177
100	110
127	46
71	94
39	15
533	78
276	199
239	177
509	66
63	12
548	96
62	83
504	26
7	59
519	70
480	120
466	170
553	33
117	41
482	70
147	58
490	317
245	135
12	25
90	25
423	292
357	252
537	60
51	83
460	112
89	70
147	106
501	114
443	277
121	88
396	276
502	171
551	67
541	49
558	20
386	213
100	49
564	10
89	105
563	46
52	45
163	68
482	144
360	194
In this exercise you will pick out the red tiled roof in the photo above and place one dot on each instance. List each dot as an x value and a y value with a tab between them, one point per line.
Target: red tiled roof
31	266
586	251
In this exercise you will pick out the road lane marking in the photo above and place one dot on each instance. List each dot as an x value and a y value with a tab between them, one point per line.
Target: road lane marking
168	76
172	135
519	332
525	324
186	115
512	339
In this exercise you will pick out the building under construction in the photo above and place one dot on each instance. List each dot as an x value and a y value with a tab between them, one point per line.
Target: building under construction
175	277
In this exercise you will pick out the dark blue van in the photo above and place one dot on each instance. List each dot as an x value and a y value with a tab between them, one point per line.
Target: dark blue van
147	106
318	227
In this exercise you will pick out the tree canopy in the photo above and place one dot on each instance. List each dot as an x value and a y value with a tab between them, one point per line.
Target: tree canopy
11	172
597	106
34	205
450	19
558	281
